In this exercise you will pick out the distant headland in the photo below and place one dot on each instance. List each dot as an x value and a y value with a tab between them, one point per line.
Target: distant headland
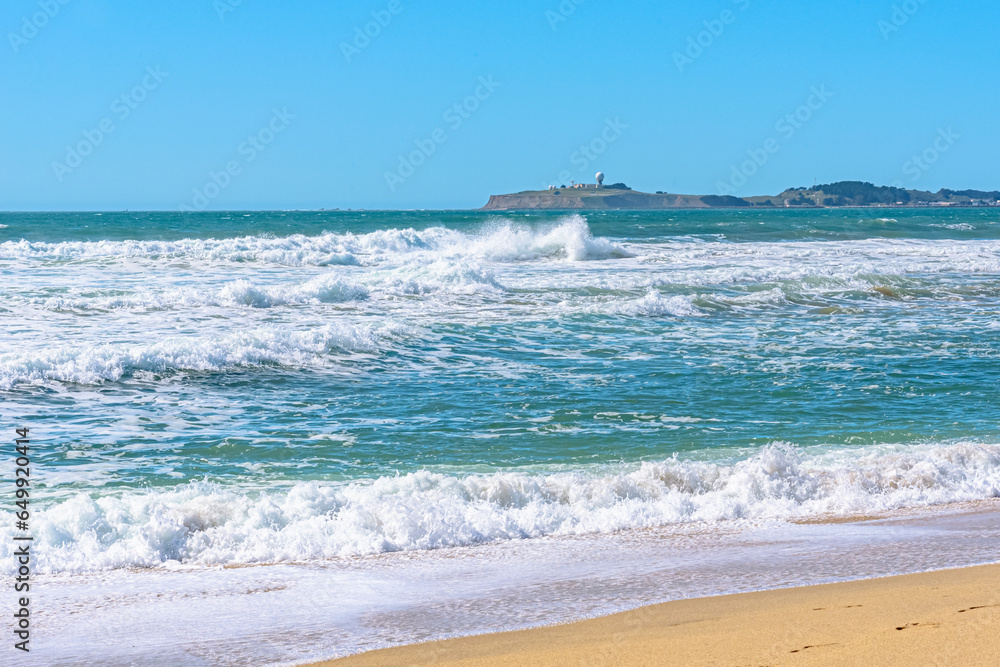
844	194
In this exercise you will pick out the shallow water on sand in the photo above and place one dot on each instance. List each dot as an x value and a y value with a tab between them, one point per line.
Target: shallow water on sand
300	612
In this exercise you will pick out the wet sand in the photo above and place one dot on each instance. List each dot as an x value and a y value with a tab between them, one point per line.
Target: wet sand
948	617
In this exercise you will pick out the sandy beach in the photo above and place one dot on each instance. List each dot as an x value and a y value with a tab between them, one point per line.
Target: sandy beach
949	617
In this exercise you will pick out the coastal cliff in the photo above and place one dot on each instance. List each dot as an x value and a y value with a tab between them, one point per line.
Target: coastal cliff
571	199
845	194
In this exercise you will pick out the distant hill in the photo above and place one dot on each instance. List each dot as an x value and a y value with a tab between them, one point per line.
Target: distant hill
858	193
846	194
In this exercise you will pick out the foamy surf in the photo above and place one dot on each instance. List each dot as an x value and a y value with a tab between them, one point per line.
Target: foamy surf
450	346
653	304
92	364
324	289
571	240
208	524
499	240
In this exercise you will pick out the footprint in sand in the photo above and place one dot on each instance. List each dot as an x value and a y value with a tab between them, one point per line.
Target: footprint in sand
985	606
806	648
922	625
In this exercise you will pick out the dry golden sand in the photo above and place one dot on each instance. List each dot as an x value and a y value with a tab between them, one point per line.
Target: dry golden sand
938	618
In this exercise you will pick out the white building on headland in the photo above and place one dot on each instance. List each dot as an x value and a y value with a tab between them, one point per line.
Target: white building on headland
585	186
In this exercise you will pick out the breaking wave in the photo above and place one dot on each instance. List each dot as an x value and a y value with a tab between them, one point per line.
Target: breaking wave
439	276
654	304
268	345
324	289
202	523
499	241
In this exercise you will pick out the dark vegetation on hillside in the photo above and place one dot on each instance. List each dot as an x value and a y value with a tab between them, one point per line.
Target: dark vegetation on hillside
840	194
972	194
861	194
801	200
725	201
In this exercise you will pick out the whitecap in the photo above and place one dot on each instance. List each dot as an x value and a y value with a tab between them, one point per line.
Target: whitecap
208	524
654	304
267	345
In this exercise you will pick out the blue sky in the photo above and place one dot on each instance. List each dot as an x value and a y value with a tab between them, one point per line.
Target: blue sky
220	104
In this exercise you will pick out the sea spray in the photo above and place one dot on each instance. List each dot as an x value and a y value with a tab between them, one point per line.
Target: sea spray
268	345
500	241
208	524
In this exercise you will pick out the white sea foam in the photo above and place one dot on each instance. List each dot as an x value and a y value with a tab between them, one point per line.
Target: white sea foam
763	297
202	523
327	288
571	240
268	345
654	304
297	250
728	263
499	241
439	276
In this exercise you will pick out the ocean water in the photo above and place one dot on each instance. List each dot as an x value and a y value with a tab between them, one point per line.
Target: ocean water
333	389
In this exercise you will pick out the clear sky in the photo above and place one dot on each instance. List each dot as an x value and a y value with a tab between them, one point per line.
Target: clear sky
277	105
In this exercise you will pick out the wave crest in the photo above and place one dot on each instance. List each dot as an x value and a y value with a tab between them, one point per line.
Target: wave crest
208	524
571	240
268	345
500	241
654	304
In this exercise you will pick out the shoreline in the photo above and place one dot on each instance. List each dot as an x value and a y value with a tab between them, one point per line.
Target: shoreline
939	617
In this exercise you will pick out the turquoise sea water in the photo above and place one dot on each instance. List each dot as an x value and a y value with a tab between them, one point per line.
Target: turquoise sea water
238	388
